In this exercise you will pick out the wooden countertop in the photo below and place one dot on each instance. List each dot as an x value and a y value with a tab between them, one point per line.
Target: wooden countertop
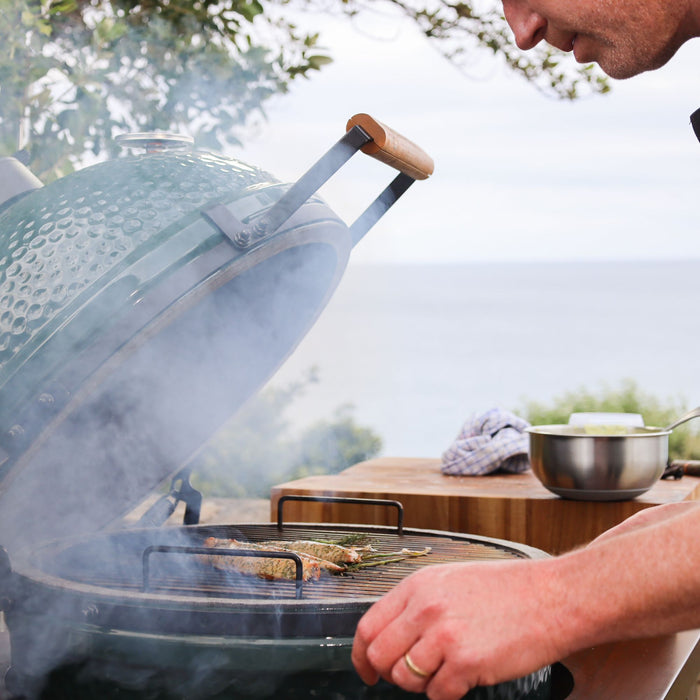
663	668
513	507
516	507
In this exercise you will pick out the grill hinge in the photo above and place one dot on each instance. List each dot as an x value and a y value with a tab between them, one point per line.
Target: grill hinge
180	490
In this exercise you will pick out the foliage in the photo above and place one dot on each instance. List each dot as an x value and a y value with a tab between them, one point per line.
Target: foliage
257	448
459	29
684	441
328	447
75	73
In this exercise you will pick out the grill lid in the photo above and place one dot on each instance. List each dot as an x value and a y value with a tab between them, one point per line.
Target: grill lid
142	301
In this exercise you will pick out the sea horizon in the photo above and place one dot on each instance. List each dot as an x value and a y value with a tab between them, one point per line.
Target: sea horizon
418	349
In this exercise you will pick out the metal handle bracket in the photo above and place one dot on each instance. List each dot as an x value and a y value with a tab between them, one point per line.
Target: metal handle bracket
246	235
386	146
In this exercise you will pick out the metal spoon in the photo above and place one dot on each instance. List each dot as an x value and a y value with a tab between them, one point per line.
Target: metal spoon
695	413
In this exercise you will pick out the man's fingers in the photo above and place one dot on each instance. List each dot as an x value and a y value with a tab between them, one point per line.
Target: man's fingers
417	665
376	621
448	683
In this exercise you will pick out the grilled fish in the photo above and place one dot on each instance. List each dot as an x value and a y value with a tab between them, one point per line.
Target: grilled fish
334	553
262	567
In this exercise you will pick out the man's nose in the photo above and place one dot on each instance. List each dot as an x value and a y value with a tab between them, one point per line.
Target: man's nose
528	26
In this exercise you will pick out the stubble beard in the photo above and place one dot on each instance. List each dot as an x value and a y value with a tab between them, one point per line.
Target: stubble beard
648	43
630	59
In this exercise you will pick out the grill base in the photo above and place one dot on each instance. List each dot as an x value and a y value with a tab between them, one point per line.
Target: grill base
87	681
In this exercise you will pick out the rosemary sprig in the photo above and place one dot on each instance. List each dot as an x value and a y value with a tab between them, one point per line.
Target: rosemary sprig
388	558
347	541
367	564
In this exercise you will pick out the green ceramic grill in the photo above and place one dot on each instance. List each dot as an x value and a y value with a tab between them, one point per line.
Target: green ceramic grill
143	300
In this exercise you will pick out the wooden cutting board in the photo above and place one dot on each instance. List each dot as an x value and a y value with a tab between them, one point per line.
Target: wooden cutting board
513	507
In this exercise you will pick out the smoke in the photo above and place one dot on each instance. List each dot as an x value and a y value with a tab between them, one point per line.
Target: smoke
165	366
118	440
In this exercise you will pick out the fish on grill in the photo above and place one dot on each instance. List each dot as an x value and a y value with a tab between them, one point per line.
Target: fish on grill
315	557
267	568
325	551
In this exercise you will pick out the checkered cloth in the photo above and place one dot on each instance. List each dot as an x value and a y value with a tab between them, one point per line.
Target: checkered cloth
494	440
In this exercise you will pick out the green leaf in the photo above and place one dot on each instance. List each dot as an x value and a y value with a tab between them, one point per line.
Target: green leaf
317	62
250	10
63	6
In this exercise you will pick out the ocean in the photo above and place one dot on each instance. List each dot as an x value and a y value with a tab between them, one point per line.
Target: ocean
417	350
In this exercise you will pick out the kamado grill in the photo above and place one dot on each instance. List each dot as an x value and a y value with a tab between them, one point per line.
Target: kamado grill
154	617
142	301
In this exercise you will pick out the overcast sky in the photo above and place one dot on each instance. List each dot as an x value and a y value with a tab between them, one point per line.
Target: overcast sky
518	176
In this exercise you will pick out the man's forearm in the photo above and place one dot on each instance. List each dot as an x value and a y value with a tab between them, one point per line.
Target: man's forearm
646	518
642	582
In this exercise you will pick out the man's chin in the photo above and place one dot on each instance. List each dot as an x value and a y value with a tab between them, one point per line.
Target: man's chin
586	52
622	70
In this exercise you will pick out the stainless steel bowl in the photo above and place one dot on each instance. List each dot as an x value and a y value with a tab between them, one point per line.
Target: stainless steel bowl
601	462
577	464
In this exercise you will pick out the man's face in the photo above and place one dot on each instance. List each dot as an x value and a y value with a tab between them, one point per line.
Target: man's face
625	37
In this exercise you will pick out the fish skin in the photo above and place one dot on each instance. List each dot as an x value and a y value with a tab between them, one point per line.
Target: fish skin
335	553
262	567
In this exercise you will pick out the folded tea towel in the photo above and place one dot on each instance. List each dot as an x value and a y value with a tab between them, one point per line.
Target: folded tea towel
491	441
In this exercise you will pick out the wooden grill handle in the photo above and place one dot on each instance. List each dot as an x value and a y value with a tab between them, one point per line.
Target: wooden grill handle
392	148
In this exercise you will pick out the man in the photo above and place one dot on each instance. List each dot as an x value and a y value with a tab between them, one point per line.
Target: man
446	629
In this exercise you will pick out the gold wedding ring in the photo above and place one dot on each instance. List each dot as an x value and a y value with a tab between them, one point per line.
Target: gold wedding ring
413	668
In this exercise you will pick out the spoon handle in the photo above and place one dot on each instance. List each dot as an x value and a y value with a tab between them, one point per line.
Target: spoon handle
684	419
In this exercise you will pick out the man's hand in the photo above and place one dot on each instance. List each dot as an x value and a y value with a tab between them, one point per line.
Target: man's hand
462	625
482	623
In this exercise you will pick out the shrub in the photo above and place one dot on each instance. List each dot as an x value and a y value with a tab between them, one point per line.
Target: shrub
684	441
257	448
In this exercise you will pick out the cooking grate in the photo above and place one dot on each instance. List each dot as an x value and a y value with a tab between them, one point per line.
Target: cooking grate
178	573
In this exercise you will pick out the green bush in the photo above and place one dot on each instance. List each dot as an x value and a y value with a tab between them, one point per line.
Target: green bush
684	441
258	448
